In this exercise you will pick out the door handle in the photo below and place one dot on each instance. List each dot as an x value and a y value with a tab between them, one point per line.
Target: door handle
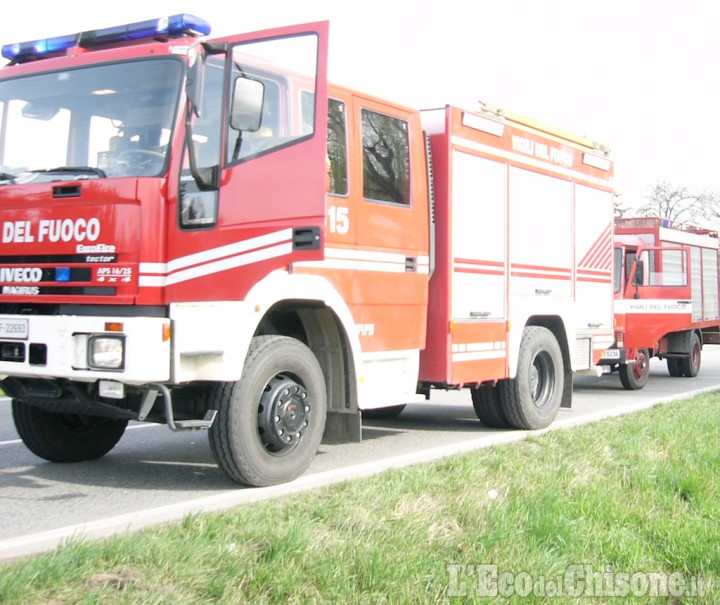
306	238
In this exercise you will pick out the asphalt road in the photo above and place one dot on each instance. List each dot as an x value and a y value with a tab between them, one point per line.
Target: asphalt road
154	475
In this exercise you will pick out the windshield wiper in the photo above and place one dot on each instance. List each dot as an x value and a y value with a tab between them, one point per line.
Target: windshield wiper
73	170
6	176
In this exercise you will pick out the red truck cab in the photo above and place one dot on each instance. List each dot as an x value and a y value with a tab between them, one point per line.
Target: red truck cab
666	293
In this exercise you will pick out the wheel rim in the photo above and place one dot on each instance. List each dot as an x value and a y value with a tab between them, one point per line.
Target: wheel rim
542	379
283	414
641	365
695	357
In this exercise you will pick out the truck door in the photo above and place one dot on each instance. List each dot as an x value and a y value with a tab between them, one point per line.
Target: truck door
658	297
263	128
388	210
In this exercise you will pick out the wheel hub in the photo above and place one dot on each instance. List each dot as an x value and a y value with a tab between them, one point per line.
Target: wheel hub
283	413
542	383
641	365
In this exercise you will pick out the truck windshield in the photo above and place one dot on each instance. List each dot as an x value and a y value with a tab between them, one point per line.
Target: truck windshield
111	120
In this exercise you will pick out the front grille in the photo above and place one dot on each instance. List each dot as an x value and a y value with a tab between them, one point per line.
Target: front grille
60	259
99	275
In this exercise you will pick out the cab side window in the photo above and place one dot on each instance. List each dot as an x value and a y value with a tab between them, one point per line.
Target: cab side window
386	158
337	148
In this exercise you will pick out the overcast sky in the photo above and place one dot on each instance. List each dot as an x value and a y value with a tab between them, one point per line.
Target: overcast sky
636	75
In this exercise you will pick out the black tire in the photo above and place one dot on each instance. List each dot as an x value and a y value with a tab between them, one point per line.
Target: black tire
270	423
691	365
634	376
387	413
532	399
674	367
486	401
66	437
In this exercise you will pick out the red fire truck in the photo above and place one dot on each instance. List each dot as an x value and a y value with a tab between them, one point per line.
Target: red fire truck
201	233
666	298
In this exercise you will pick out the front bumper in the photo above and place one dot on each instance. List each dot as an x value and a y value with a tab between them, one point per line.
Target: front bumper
59	346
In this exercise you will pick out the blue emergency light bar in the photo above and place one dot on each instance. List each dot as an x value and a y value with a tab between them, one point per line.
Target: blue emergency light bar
175	25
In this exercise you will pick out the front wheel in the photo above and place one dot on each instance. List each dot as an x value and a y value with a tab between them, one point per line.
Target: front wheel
269	424
634	376
60	437
532	399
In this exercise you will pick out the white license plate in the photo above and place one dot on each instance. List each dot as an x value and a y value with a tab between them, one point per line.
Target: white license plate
612	354
14	328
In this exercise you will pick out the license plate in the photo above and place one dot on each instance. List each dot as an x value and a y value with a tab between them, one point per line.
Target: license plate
611	354
14	328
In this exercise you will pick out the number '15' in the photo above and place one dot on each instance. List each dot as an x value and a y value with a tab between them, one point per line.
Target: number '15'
339	221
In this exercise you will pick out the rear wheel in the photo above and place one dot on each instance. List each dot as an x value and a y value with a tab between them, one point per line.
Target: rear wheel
270	423
634	376
674	367
486	401
62	437
532	399
691	365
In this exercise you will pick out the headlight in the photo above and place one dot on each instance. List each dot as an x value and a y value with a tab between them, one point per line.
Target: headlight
106	352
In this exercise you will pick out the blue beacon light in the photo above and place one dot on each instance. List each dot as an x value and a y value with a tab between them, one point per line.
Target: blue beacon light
175	25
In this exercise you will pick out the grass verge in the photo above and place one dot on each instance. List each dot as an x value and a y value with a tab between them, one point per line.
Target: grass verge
615	511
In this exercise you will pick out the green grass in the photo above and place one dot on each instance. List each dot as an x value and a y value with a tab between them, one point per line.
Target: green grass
635	494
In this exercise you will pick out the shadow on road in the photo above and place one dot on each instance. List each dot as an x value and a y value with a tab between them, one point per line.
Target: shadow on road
172	466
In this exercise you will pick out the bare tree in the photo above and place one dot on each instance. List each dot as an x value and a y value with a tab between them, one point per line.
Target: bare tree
620	209
673	202
710	206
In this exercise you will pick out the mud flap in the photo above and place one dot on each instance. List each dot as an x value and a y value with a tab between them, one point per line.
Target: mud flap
566	401
342	427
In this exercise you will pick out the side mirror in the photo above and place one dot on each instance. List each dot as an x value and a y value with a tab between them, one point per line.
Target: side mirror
196	84
247	104
639	279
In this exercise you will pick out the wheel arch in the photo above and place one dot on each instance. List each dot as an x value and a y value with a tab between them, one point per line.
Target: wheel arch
681	341
324	324
317	326
556	325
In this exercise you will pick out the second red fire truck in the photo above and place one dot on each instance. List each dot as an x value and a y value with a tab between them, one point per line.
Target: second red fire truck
202	233
666	298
